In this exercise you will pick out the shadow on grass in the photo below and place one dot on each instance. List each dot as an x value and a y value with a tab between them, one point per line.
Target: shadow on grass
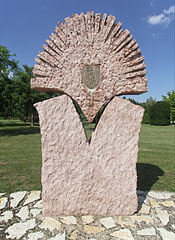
148	174
10	124
19	131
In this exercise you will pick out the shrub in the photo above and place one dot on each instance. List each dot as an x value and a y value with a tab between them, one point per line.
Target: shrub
145	119
159	113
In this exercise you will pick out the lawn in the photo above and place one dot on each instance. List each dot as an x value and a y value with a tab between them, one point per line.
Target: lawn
20	157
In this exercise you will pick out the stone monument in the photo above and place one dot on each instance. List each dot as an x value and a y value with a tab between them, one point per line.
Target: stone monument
91	60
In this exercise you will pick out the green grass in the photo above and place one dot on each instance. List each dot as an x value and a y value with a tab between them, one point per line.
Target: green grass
20	157
156	161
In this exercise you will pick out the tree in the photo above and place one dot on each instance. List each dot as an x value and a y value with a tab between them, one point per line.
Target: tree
24	96
146	105
16	96
133	101
171	100
159	113
8	69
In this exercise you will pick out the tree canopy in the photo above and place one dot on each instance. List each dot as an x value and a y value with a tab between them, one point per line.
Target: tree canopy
16	96
171	100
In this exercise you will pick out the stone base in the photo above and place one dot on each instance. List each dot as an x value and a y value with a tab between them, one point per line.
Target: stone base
82	178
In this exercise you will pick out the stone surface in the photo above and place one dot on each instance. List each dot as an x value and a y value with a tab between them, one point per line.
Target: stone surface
16	198
69	220
34	195
7	215
17	230
74	235
125	222
123	234
83	41
87	219
159	195
97	178
147	232
168	204
163	216
166	235
93	229
59	236
35	236
107	222
142	226
153	203
144	209
3	202
23	213
35	212
143	218
38	204
50	223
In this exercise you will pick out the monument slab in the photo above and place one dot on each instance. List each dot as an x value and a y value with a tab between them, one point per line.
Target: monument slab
82	178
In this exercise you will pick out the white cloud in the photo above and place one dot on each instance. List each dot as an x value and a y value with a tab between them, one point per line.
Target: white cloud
159	19
164	18
171	10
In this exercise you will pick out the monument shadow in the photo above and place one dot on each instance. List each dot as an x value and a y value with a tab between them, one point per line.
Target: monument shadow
148	175
19	131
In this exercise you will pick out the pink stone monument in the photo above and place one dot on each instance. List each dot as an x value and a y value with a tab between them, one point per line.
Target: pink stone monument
90	59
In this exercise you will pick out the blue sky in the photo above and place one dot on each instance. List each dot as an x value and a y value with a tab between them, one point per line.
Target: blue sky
26	24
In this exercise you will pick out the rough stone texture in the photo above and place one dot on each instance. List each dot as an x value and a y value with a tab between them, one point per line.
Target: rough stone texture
3	202
35	212
93	229
35	236
147	231
107	222
144	209
16	198
163	216
141	226
69	220
59	236
166	235
168	203
96	178
23	213
6	216
17	230
87	219
34	195
74	235
159	195
50	223
38	204
123	234
90	40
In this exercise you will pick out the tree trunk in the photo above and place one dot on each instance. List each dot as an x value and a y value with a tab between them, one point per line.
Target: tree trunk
32	120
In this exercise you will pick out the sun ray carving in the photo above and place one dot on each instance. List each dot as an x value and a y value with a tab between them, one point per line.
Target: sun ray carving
90	40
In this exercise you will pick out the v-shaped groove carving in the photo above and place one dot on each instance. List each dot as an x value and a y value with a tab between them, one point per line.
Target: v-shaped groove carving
89	128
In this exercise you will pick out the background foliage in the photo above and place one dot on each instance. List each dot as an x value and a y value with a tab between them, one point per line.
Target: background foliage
17	98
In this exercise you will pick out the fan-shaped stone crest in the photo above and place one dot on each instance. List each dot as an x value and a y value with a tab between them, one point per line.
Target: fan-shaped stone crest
91	59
